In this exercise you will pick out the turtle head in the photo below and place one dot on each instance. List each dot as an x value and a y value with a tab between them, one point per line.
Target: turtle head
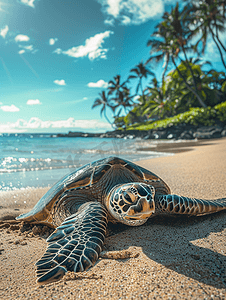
131	203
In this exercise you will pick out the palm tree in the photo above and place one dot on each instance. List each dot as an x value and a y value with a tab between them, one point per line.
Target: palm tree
216	81
122	98
208	17
161	47
116	86
209	84
203	83
177	36
173	36
123	101
105	102
141	72
160	101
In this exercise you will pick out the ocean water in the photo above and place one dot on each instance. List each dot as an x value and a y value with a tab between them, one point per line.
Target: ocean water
40	160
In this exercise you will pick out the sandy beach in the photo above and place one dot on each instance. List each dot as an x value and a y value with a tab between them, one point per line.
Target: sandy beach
166	258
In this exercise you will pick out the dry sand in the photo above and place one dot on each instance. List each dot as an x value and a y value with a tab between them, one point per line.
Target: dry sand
167	258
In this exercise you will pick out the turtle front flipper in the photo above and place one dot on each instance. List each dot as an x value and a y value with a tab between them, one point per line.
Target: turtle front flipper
188	206
75	245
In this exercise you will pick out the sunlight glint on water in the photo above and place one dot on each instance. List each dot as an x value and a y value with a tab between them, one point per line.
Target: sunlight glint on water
39	160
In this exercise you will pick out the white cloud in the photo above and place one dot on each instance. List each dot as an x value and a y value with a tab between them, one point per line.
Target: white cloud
22	38
29	48
109	22
3	31
11	108
100	83
28	2
132	11
58	51
22	125
52	41
211	47
125	20
59	82
21	51
211	52
77	101
33	102
112	7
92	48
56	90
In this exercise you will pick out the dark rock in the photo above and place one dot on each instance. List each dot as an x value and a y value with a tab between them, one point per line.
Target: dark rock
208	132
75	134
181	131
78	134
137	133
175	133
60	135
150	135
160	134
223	133
171	136
186	135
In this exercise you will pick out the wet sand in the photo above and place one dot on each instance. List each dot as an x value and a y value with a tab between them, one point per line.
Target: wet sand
166	258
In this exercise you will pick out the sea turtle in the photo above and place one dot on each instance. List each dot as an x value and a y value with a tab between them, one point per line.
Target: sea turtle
80	205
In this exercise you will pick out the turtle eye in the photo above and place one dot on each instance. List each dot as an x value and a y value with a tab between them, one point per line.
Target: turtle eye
127	198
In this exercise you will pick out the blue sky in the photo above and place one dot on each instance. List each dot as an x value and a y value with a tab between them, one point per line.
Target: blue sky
56	56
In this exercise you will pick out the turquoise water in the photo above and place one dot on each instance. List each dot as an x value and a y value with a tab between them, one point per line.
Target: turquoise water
39	160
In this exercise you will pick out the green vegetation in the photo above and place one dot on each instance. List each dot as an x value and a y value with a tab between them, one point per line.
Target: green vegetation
195	116
190	92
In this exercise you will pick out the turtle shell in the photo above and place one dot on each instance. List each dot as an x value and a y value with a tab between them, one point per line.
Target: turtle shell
98	178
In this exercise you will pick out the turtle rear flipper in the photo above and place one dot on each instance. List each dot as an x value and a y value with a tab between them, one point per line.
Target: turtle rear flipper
75	245
189	206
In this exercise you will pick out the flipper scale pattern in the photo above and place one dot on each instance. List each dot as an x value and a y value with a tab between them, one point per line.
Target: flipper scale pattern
190	206
75	245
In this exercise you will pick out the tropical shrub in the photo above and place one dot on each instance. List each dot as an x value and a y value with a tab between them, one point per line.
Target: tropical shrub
221	112
195	116
119	122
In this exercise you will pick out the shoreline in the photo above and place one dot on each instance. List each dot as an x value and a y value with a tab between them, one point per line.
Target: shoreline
181	131
23	199
36	177
179	258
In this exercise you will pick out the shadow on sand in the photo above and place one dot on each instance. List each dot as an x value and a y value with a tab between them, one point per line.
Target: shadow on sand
172	241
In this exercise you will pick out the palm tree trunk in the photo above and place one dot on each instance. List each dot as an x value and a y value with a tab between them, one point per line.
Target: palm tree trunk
165	69
219	39
188	86
220	42
193	76
213	36
105	115
142	91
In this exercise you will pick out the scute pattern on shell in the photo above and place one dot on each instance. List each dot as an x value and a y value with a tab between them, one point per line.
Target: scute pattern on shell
82	203
97	179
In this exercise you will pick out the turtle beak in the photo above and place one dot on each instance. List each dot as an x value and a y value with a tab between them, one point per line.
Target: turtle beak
142	210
